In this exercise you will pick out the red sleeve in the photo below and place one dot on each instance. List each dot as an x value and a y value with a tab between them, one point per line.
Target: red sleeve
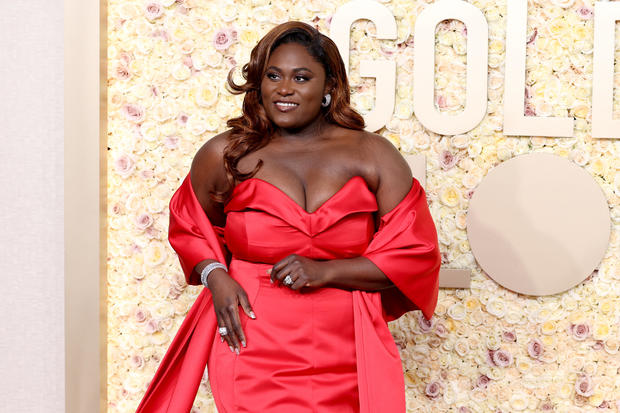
192	235
406	250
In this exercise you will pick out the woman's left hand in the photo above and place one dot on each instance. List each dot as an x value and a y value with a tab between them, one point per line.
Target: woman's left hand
305	272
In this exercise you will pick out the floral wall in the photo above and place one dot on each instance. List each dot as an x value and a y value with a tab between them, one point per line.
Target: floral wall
486	349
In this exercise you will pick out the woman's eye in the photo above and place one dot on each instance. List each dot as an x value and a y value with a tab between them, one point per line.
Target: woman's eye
301	78
272	76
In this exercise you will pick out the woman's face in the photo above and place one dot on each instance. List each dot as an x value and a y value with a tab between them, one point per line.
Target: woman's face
293	87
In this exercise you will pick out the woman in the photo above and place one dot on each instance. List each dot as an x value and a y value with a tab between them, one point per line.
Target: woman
321	235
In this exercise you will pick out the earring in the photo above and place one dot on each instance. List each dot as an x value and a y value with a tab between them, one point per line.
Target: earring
326	100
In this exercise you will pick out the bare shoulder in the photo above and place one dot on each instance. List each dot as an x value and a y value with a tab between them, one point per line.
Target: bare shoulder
392	170
207	172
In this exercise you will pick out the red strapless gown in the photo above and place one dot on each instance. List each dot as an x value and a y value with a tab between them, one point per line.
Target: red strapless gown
324	350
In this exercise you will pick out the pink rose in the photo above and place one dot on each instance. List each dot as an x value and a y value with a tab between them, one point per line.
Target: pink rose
136	361
152	326
580	331
171	142
124	165
187	61
153	10
224	38
547	406
117	208
125	58
441	100
182	118
441	330
500	358
482	381
530	110
425	325
433	389
447	160
585	13
140	315
598	345
143	221
152	232
122	73
133	112
464	409
509	336
535	348
584	386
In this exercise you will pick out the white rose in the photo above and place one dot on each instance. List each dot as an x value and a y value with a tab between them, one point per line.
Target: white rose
421	140
457	311
496	307
460	141
181	72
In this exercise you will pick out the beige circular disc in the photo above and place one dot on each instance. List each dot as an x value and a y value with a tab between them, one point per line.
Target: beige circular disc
538	224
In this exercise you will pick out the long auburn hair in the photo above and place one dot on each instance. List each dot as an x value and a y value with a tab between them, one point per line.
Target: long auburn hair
253	129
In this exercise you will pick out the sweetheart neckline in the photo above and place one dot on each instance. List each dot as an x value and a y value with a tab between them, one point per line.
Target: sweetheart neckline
299	207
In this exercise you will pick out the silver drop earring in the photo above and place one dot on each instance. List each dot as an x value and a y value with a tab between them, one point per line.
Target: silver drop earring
326	100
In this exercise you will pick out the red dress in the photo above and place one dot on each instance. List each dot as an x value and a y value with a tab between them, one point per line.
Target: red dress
318	351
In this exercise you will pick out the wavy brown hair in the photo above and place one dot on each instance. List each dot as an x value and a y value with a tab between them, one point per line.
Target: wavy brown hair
253	129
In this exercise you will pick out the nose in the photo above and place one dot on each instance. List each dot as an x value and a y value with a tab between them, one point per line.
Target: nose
285	87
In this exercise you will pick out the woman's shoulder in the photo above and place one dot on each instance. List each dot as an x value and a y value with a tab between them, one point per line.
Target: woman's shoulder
389	167
207	171
213	147
377	148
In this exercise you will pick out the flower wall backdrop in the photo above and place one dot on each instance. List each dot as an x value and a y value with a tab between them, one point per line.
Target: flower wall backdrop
486	349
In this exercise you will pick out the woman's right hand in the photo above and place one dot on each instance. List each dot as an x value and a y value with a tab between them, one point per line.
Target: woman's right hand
227	296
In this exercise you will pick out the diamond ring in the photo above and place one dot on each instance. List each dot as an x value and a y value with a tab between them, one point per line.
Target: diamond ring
288	280
223	331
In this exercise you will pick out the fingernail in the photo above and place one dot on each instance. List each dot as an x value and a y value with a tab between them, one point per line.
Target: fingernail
243	343
236	350
221	339
252	314
268	270
231	349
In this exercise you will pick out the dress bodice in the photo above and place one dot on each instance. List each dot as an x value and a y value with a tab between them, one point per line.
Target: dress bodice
264	224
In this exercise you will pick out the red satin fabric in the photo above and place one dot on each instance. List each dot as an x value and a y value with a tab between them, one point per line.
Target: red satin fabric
328	350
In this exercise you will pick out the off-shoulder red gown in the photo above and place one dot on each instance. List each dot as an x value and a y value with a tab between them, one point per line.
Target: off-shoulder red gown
321	350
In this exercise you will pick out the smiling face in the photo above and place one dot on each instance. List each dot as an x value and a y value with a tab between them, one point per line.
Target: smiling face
293	86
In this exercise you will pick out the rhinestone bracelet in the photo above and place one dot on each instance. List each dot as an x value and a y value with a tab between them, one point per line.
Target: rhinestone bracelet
205	272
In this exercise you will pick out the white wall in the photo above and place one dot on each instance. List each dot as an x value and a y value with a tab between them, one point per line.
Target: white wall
49	268
31	213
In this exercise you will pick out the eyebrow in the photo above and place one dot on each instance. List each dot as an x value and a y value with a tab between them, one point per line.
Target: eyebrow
297	69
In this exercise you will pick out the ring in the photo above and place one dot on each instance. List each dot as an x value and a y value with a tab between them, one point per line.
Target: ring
223	331
288	280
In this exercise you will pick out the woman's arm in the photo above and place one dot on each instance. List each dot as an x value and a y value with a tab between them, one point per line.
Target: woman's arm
394	182
208	174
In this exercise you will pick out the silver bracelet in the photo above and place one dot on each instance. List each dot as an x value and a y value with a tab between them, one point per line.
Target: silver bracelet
205	272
